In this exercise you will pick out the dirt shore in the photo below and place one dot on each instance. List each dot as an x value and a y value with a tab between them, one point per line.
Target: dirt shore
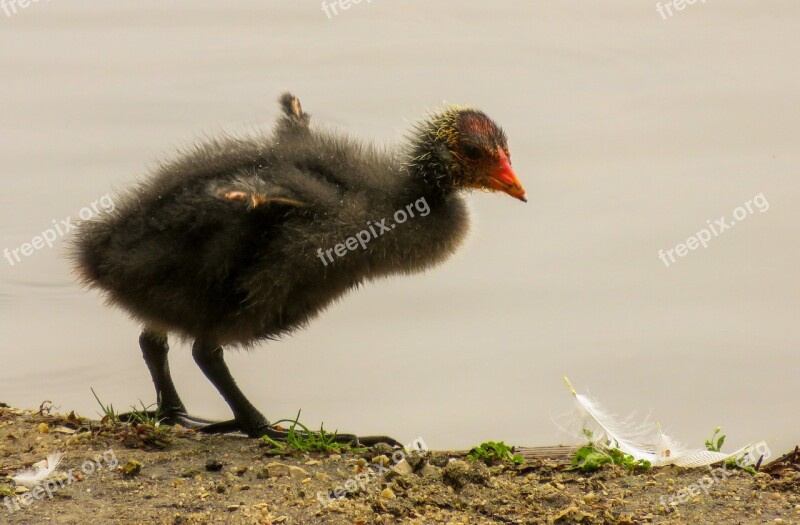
183	477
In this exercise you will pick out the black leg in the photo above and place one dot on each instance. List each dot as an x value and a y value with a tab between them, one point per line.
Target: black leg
155	349
208	357
249	420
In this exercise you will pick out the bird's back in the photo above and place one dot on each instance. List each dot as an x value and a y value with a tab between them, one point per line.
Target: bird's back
175	243
180	253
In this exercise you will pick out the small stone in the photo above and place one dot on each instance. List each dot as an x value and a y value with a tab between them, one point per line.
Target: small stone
276	469
382	449
381	460
297	472
402	468
77	438
387	493
241	487
131	468
232	508
213	465
417	460
322	477
590	497
43	428
571	515
429	470
459	473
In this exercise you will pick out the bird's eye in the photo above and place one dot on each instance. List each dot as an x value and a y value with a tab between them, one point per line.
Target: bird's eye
472	152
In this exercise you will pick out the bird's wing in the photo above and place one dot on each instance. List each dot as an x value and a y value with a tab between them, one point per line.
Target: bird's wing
254	192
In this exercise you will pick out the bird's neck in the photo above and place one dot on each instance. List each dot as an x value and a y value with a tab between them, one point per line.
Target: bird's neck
425	162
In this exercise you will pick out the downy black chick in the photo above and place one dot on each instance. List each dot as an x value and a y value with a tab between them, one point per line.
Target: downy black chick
246	239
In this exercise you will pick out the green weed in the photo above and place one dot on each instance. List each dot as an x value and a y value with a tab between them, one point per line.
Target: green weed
493	452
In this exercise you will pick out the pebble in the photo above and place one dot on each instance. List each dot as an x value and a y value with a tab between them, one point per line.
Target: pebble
131	468
381	460
429	470
403	468
276	469
322	477
213	465
297	472
387	493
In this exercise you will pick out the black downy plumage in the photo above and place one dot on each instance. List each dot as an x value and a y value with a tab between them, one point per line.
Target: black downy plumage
246	239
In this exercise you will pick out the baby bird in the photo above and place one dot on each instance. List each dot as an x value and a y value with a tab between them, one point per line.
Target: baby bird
242	240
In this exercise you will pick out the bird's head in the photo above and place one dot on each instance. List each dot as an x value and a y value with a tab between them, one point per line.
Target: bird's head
466	150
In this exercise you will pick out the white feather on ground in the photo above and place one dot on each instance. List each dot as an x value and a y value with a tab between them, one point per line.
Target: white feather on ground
642	441
39	472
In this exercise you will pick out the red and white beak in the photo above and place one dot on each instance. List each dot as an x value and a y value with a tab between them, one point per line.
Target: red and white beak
505	180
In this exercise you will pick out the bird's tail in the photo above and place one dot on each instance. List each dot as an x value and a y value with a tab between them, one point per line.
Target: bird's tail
294	118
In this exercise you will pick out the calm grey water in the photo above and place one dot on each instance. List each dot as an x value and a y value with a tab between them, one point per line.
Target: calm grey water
629	131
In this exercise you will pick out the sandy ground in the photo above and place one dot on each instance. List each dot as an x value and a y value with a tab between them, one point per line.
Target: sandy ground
191	478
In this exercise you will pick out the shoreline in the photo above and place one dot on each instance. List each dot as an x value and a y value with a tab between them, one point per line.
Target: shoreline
120	474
